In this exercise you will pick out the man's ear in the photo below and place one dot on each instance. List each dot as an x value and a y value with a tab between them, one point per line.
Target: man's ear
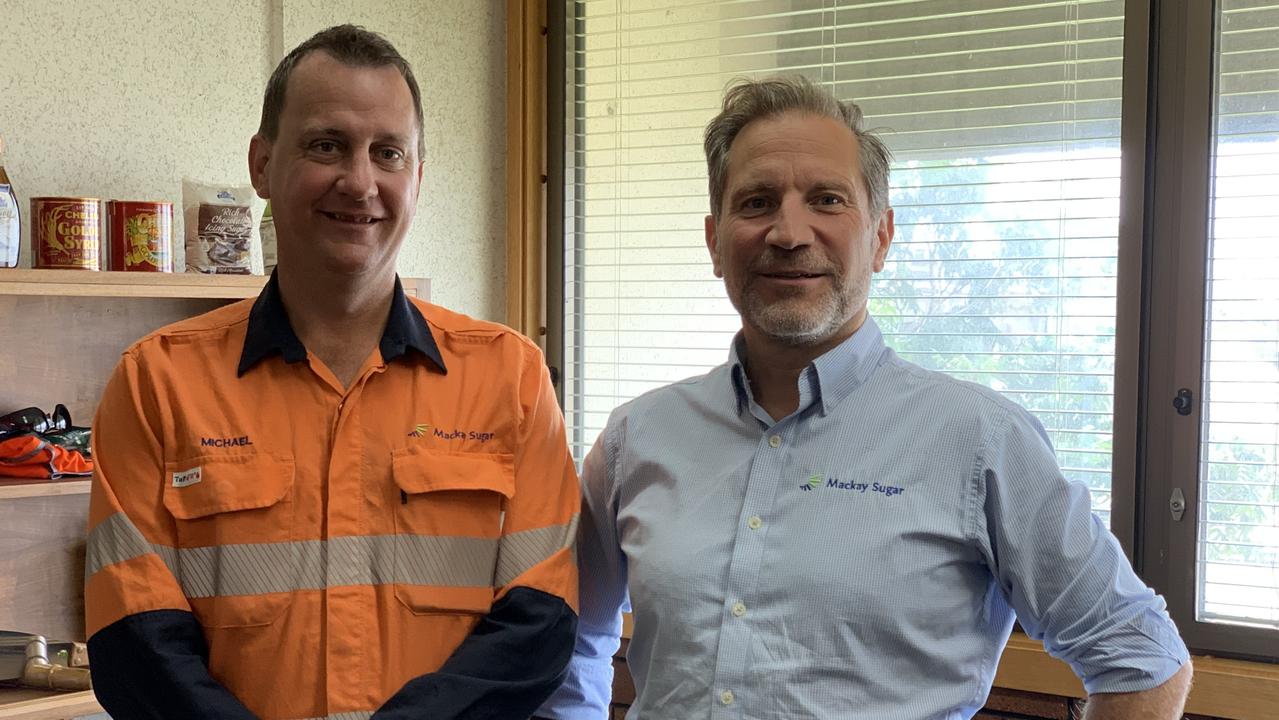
883	238
712	244
259	159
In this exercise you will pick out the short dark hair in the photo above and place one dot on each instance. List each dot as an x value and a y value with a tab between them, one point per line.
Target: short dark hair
749	100
350	45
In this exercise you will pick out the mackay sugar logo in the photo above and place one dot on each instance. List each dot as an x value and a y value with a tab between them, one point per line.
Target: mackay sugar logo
423	429
819	481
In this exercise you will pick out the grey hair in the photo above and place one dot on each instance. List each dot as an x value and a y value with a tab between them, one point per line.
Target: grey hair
748	100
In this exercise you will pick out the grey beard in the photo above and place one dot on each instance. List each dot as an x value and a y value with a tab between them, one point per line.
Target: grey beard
797	326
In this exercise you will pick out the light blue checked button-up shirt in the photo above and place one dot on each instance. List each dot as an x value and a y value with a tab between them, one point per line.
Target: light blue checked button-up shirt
860	558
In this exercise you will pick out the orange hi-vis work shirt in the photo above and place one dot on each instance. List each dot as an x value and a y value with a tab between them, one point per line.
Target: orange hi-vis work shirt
333	543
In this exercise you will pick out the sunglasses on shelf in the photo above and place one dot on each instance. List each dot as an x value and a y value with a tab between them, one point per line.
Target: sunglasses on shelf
33	419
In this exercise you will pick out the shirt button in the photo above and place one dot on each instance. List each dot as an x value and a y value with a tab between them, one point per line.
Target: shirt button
755	522
739	609
775	441
726	697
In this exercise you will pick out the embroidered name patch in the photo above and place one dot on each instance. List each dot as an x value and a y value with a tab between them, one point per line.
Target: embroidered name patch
219	442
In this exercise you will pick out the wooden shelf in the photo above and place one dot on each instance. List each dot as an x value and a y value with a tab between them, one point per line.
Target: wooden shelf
11	488
174	289
86	283
27	704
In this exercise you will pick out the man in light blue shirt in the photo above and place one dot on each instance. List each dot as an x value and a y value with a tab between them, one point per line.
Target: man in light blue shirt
818	529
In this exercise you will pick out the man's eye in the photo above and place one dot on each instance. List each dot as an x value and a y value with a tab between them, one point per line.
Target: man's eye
324	146
390	155
829	199
755	203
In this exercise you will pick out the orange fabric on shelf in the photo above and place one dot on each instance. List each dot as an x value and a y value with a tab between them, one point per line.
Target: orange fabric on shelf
28	455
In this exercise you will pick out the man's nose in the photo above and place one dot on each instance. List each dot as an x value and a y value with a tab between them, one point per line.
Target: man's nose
358	181
791	227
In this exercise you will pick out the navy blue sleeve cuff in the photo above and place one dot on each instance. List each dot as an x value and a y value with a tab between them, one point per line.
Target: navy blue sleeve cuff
155	666
513	660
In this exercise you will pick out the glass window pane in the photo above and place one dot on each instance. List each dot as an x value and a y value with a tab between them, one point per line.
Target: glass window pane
1004	116
1238	574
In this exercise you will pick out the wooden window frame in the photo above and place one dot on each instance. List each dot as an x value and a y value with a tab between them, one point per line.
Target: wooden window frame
1156	245
526	258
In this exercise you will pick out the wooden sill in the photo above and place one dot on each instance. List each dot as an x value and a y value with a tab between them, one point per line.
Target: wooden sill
24	704
1223	688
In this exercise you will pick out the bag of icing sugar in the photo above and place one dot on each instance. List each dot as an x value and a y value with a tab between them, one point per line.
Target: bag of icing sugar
222	234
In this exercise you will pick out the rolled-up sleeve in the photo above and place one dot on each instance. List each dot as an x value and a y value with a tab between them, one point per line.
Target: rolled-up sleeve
1062	569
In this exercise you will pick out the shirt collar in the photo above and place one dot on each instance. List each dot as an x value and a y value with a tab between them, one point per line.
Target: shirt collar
406	330
270	332
831	377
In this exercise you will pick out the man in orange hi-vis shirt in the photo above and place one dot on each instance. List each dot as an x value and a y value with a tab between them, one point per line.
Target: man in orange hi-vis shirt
334	501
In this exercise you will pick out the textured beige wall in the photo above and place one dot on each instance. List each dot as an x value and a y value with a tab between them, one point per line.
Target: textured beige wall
120	100
458	52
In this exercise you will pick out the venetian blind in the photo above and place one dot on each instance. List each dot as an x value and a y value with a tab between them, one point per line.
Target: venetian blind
1004	117
1238	573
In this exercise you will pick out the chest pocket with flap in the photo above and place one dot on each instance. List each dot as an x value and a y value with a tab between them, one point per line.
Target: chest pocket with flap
448	523
236	560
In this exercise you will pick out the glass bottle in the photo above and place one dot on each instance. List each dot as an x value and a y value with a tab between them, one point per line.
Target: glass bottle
10	220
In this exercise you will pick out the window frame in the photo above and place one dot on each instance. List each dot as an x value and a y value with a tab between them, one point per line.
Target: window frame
1165	140
1177	236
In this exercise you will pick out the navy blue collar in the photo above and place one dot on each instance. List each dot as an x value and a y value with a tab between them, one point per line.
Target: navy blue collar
270	332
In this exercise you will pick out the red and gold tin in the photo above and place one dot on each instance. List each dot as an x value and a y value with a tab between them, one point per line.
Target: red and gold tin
65	233
140	236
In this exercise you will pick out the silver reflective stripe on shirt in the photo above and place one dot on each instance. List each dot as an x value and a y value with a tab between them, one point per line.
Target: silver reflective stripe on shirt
260	568
114	540
521	551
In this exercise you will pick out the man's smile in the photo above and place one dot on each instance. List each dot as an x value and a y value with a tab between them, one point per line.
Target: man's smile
353	218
